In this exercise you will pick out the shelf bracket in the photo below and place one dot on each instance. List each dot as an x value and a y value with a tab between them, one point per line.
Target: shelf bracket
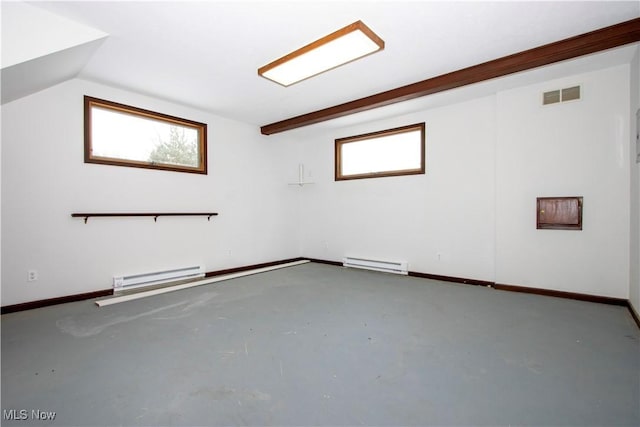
155	215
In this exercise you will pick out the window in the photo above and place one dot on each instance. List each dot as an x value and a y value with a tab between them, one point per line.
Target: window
391	152
116	134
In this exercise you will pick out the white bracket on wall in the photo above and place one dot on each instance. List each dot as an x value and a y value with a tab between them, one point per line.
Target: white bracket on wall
301	182
638	136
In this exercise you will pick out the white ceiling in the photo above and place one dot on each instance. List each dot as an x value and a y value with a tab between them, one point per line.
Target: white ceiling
206	54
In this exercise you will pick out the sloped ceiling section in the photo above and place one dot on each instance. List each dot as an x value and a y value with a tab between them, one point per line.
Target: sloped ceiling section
41	49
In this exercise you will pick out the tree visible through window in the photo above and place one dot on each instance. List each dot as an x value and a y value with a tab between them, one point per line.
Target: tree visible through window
177	150
121	135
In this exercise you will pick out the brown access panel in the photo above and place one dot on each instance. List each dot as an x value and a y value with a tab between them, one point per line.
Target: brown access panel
559	213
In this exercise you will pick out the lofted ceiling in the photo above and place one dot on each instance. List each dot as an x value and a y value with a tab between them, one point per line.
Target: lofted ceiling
206	54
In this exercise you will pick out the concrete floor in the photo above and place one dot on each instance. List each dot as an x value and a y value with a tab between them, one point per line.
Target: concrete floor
323	345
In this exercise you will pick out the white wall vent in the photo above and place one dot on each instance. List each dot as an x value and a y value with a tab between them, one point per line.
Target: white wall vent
157	277
396	267
561	95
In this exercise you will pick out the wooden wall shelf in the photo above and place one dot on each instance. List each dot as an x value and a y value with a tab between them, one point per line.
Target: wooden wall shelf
155	215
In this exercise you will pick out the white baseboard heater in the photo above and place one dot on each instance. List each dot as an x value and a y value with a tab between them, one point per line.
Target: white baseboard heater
396	267
157	278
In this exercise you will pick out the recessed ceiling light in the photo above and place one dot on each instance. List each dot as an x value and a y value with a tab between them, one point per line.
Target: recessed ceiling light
345	45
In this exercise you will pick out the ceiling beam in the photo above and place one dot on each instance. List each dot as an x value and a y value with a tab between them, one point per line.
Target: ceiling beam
584	44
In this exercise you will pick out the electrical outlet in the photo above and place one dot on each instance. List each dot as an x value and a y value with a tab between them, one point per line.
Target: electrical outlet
32	275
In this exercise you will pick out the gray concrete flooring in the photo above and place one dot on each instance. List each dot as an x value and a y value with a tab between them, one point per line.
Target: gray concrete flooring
323	345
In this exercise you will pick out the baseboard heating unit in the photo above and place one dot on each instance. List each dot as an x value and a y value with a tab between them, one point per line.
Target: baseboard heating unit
396	267
121	283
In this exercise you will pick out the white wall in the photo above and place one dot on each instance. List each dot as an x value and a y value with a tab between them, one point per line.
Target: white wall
448	211
1	203
634	282
44	180
472	215
487	161
570	149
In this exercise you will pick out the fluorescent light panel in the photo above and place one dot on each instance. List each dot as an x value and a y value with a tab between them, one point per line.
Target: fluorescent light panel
345	45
